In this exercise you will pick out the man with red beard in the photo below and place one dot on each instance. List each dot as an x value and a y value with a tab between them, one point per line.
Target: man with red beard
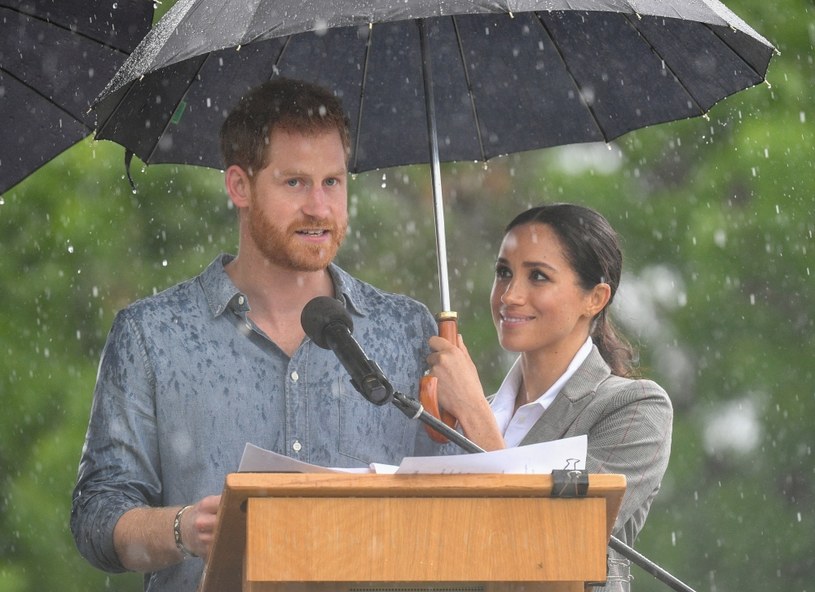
192	374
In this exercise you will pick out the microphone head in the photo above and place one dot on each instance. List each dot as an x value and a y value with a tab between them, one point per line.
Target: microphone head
320	313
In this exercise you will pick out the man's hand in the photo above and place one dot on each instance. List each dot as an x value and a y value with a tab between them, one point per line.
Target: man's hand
145	541
198	525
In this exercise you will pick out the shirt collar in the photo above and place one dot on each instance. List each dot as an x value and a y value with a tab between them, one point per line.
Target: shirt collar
222	294
349	290
218	289
503	404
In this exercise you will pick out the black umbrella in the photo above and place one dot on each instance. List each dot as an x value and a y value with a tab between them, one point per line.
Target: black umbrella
431	81
55	58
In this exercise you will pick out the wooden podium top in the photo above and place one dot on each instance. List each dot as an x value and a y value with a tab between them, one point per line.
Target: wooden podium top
226	561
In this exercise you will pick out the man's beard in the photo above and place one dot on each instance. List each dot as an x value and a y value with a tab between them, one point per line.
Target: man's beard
282	248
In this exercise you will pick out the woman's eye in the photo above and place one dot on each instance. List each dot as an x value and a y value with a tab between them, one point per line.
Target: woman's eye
538	276
502	272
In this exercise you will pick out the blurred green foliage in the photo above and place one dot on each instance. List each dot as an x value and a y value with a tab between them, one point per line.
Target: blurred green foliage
717	222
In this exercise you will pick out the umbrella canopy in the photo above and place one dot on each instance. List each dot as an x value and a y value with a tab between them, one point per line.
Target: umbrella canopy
430	81
509	76
55	58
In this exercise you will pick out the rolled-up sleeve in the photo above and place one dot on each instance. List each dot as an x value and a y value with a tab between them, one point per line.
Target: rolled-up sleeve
119	468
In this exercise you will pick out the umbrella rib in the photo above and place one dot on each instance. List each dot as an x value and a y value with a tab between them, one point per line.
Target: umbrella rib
69	30
279	58
47	98
362	93
736	53
175	107
571	75
469	90
665	64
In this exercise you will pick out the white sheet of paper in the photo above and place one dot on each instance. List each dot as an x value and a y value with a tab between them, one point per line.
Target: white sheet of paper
260	460
532	459
539	458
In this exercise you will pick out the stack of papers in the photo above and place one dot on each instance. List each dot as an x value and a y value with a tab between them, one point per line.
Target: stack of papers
541	458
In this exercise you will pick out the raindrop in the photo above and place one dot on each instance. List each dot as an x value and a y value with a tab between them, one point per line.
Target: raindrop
802	117
70	248
720	238
320	27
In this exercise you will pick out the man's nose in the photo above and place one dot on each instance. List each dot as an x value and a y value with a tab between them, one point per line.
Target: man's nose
317	204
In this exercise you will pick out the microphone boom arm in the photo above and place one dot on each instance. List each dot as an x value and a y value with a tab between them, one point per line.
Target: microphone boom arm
414	410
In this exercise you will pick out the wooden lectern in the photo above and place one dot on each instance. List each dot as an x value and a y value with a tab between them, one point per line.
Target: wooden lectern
327	532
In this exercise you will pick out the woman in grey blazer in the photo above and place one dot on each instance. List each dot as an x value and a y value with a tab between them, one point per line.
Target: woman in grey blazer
557	272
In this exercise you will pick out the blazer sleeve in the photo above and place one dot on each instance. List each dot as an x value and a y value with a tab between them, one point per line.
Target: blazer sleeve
629	432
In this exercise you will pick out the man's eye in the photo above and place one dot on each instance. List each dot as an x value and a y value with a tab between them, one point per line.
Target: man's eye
293	182
331	182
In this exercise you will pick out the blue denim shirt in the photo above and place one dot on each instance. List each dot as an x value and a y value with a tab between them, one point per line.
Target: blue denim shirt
186	379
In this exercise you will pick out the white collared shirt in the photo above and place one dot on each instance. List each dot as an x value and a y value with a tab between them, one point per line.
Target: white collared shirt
515	425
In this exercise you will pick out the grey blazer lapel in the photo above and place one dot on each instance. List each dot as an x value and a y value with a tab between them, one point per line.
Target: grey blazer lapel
575	395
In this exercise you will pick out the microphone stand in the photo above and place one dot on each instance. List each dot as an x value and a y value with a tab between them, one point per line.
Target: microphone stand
414	410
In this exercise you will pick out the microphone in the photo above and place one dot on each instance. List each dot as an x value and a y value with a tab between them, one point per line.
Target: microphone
329	325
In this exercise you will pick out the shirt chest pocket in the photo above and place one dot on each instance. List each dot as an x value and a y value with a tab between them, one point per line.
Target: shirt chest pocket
372	433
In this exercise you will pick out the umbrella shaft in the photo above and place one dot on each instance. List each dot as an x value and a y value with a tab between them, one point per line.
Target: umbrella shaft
435	171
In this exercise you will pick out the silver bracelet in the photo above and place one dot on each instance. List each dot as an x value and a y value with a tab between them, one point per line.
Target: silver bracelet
177	534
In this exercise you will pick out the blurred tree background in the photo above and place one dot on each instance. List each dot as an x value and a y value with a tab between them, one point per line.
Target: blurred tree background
717	221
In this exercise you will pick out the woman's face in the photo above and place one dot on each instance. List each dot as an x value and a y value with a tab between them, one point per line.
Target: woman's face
538	305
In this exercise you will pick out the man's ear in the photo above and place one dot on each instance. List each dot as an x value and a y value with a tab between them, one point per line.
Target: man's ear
598	299
238	186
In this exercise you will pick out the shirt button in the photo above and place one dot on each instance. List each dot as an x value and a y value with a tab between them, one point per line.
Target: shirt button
241	300
296	446
294	376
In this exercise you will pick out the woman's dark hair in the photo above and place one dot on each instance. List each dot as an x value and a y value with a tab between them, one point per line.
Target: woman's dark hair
592	249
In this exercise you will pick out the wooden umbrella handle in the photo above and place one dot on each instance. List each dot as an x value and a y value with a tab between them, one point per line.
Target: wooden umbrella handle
428	386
